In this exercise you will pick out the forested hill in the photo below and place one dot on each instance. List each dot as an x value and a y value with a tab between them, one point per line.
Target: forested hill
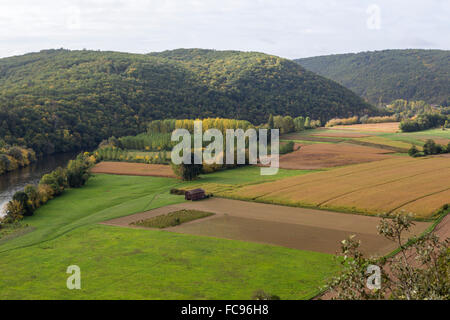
59	100
384	76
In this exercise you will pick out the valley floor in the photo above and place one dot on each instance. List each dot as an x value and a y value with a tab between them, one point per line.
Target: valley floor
246	246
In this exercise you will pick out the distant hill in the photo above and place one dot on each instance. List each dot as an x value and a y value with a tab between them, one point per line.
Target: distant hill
60	100
384	76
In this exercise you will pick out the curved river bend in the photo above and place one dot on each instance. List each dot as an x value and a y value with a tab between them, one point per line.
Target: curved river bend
14	181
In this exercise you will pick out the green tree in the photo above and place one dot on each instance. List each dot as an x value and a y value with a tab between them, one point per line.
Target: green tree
23	199
33	195
57	180
413	151
271	123
288	125
429	147
14	211
307	123
77	172
187	172
299	124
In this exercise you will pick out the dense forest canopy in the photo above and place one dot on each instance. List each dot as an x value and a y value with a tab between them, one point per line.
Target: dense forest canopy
61	100
384	76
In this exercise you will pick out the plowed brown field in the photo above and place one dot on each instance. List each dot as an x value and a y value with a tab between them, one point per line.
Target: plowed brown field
297	228
324	155
134	169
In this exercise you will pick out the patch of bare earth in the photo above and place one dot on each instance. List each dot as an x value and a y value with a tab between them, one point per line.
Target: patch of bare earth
297	228
134	169
319	156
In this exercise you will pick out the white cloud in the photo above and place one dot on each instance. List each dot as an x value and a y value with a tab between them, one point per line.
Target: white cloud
288	28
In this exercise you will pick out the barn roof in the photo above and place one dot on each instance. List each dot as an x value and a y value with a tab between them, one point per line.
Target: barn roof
195	191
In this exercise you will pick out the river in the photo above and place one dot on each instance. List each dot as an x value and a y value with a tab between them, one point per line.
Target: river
14	181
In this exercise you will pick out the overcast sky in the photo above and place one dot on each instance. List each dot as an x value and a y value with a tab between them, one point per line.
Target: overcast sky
287	28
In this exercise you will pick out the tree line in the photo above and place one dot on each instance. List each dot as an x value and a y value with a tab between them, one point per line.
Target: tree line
24	203
425	121
429	148
361	120
14	157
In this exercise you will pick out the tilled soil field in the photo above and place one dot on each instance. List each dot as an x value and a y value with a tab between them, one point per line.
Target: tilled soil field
134	169
297	228
327	155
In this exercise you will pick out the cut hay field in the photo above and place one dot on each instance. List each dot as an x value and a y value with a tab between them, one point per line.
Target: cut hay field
392	185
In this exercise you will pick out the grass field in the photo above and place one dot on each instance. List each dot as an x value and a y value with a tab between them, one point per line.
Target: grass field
104	197
385	141
222	181
119	263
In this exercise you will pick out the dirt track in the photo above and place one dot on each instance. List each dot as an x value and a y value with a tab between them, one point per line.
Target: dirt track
297	228
134	169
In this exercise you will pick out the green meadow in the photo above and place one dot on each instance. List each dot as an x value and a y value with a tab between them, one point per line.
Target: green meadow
123	263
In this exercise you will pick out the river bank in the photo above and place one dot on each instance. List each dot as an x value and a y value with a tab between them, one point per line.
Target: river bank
16	180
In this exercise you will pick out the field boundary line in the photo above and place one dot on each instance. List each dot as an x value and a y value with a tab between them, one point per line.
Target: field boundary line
379	146
428	195
380	184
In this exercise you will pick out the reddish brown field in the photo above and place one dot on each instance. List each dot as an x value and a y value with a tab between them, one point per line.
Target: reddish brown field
134	169
297	228
319	156
376	127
